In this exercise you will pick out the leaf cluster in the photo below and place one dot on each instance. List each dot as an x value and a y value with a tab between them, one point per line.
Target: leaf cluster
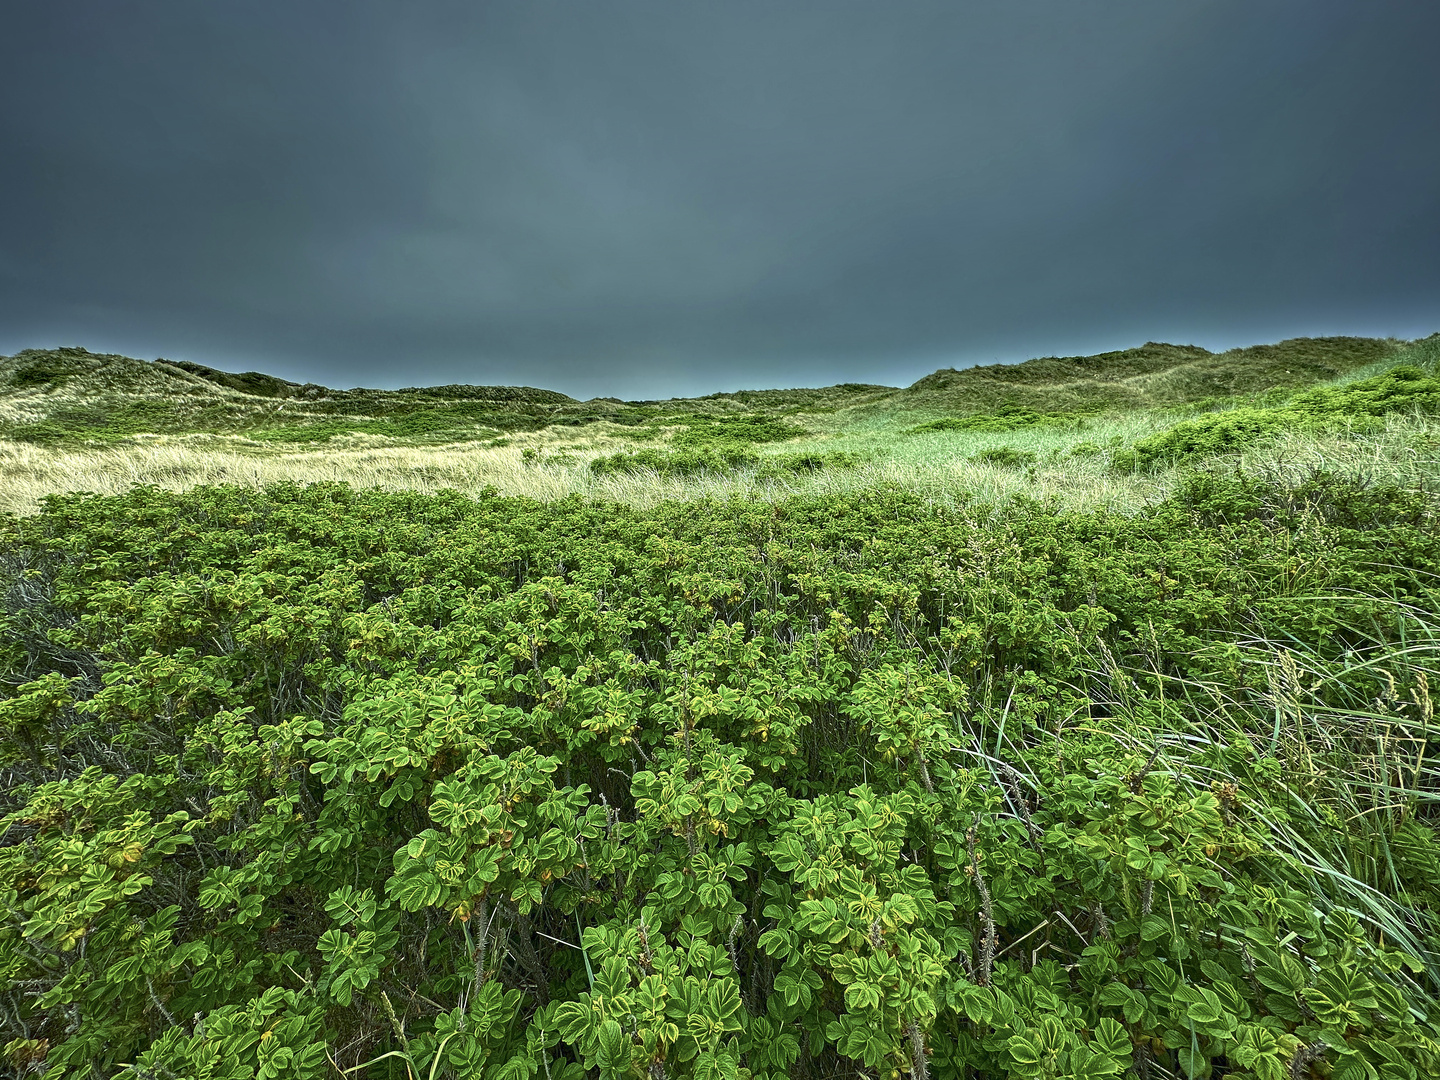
318	781
1358	406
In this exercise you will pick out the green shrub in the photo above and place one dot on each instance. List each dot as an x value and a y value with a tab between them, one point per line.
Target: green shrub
315	781
807	462
106	422
705	444
1011	418
746	428
1359	405
1003	418
713	458
452	422
1008	457
37	374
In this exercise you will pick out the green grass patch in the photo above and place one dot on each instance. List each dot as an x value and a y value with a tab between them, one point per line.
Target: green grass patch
747	429
37	374
1008	457
805	463
1005	418
722	458
1358	406
463	420
692	461
105	422
704	445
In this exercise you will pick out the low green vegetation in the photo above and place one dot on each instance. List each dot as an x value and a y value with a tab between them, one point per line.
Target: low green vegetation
1153	376
315	781
104	423
715	445
691	461
742	429
722	460
453	423
1006	457
879	745
1005	418
70	397
1356	406
807	462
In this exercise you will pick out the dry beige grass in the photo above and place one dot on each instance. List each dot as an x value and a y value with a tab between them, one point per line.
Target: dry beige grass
1406	452
1071	460
935	466
28	473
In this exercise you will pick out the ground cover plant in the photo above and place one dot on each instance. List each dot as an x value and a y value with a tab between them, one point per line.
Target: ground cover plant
315	781
1003	418
1359	405
1119	430
686	461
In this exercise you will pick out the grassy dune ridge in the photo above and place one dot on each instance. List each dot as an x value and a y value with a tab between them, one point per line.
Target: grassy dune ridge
1061	427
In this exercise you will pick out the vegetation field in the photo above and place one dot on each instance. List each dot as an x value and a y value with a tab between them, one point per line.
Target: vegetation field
1050	724
1080	429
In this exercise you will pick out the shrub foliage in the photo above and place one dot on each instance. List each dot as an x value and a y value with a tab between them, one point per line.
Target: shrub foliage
318	782
1360	406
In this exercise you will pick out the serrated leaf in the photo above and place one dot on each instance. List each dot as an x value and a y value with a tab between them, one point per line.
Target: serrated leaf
1111	1038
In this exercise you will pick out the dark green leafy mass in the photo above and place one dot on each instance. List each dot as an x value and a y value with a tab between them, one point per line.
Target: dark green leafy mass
1358	407
320	782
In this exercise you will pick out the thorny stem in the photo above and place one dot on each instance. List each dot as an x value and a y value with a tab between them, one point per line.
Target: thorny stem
1013	776
919	1068
150	986
1137	781
987	914
924	771
1304	1056
1102	923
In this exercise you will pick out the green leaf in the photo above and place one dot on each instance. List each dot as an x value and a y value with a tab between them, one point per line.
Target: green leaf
1206	1007
614	1055
1025	1055
1111	1039
415	889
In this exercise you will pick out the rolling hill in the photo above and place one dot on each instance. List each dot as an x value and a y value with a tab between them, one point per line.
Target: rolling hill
70	395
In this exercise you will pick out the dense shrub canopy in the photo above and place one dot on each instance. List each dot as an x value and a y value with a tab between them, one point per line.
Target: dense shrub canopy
301	780
1361	405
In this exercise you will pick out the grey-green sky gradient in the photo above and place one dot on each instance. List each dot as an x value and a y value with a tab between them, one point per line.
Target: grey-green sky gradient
650	198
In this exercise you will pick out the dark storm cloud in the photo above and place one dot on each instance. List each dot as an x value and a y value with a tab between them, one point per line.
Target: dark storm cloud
651	198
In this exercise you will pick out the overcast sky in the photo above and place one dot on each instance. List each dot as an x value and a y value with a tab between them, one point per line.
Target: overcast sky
655	198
